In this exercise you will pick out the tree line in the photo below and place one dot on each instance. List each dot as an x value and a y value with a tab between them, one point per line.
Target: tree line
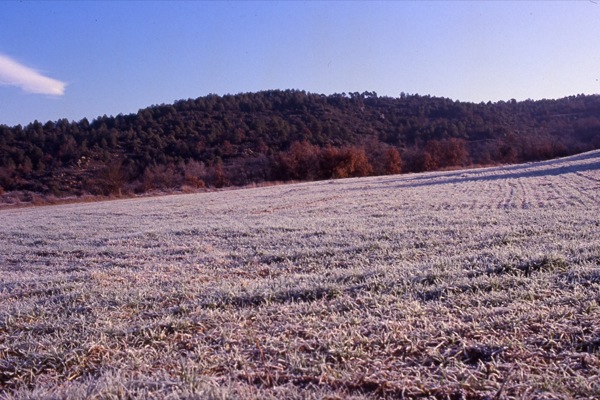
283	135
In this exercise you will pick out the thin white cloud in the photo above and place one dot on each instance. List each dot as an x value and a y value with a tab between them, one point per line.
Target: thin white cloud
14	74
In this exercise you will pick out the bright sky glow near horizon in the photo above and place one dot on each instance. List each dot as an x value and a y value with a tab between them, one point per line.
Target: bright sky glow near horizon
86	59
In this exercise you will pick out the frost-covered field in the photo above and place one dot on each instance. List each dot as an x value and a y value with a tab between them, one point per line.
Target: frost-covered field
466	284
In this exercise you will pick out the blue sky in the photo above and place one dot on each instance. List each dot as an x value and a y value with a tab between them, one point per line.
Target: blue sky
86	59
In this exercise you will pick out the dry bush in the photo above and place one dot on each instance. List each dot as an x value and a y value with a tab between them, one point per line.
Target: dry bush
108	180
444	154
161	177
346	162
301	162
194	174
392	162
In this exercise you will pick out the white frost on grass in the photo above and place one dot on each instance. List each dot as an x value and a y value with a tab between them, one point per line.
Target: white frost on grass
462	283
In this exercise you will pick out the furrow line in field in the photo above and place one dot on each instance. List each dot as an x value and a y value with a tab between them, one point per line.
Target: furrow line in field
570	190
584	194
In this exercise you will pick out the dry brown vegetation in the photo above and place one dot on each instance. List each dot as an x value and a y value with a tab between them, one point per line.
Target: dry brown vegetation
283	135
480	284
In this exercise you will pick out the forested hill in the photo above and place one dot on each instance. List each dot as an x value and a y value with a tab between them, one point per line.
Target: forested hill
218	141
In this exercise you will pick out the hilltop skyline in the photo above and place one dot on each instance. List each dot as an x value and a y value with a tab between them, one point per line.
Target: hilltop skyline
76	60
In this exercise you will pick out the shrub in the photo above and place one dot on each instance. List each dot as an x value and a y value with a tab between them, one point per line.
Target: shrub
344	163
161	177
300	162
194	174
392	162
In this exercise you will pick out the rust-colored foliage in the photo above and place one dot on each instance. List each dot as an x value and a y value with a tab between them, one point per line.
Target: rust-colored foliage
284	135
305	161
346	163
301	162
392	161
445	153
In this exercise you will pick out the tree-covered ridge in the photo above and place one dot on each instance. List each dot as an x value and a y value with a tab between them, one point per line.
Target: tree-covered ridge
282	135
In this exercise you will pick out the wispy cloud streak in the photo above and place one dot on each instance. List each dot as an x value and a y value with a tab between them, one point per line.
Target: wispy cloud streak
15	74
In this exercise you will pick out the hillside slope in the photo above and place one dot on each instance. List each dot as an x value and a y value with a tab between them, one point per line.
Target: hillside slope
470	284
248	138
